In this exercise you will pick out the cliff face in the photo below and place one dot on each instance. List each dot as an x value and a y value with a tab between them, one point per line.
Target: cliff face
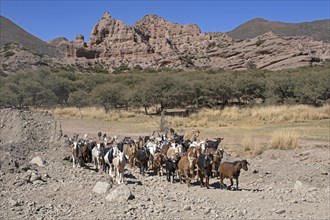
155	42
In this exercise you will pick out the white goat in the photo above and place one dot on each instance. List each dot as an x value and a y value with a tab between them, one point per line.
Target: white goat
76	155
97	153
109	157
119	163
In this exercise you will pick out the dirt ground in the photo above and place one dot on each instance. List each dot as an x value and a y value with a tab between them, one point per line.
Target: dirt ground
279	184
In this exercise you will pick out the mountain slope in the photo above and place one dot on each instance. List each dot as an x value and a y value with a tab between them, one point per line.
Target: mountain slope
319	30
10	33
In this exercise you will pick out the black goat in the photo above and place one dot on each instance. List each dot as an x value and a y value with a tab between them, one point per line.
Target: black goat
204	168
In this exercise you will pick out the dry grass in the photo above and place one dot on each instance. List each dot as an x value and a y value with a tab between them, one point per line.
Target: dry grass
297	113
246	116
91	113
209	117
247	143
252	146
284	139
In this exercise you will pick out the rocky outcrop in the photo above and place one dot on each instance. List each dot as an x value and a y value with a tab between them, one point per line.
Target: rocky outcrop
78	48
155	42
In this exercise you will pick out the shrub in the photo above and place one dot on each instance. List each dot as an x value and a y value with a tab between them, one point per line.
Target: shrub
259	42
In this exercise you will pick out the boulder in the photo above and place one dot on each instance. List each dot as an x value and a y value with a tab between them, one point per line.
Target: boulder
39	161
101	187
120	193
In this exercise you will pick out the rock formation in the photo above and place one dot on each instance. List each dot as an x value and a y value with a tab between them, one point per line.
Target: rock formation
155	42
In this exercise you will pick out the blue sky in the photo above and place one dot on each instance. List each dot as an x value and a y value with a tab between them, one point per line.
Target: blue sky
67	18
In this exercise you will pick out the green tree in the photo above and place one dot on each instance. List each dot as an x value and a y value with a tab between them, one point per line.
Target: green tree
108	96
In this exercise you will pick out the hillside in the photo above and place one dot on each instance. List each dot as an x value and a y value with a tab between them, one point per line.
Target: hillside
154	43
12	33
319	30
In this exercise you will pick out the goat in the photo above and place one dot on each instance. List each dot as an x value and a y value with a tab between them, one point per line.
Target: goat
109	157
185	145
232	170
175	149
164	147
76	154
98	156
119	163
204	168
217	155
201	145
191	136
213	144
99	134
130	150
184	170
171	165
140	142
142	158
192	155
152	146
87	147
159	161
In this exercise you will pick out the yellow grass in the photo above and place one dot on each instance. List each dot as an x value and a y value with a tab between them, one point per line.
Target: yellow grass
253	146
91	113
261	115
210	117
284	139
297	113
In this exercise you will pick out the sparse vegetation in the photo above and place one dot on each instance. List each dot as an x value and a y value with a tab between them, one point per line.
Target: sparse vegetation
9	53
259	42
229	115
199	90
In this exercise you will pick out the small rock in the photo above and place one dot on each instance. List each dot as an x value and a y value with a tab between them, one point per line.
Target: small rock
207	211
298	185
37	160
187	208
293	201
281	211
312	189
13	202
38	182
32	175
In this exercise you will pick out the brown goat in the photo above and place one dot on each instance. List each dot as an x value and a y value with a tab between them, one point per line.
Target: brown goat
184	170
172	151
232	170
130	150
159	161
191	135
192	154
165	147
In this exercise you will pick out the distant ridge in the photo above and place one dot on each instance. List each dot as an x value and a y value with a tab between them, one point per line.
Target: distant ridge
12	33
152	42
319	29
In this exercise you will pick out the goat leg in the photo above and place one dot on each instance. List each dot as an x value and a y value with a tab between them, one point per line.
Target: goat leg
231	183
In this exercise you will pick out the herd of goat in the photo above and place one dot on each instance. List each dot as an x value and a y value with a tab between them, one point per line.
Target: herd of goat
182	155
